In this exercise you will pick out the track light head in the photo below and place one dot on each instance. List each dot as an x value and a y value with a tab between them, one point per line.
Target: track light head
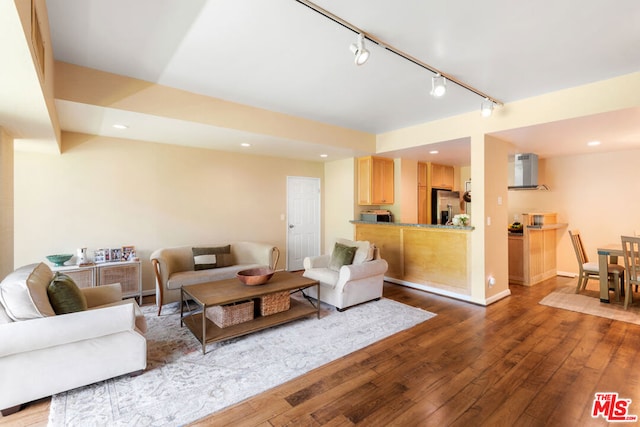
486	107
438	85
361	53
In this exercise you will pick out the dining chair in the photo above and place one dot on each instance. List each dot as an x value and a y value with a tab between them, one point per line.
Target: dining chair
631	250
591	270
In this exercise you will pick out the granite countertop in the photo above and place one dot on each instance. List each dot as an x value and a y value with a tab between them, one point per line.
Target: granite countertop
403	224
547	226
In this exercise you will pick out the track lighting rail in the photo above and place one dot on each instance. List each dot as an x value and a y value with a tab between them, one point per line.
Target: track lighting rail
397	51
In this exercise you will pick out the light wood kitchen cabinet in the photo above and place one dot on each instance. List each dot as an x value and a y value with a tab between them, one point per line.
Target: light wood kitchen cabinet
423	205
516	259
375	181
442	176
532	254
423	171
430	176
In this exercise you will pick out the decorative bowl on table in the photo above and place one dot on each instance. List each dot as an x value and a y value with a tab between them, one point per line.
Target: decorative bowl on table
255	276
59	259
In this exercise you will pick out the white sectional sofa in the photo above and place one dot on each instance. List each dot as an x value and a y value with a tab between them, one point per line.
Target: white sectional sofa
175	267
42	353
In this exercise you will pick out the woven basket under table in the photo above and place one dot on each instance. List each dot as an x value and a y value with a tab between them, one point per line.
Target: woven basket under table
230	314
274	303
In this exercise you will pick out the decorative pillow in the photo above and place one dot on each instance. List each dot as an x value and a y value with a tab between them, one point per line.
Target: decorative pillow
207	258
23	293
65	296
364	252
341	255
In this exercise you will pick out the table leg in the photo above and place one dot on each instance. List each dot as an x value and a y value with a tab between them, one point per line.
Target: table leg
318	301
181	305
604	277
204	329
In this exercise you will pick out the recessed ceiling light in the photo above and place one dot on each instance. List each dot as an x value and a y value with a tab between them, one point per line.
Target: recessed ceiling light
324	155
120	126
593	143
433	152
246	144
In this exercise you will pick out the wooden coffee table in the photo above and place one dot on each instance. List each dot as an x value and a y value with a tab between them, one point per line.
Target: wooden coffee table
232	290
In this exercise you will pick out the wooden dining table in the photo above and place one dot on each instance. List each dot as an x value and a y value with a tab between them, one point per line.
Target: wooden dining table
607	255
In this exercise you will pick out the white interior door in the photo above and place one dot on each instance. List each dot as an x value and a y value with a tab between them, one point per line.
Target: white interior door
303	220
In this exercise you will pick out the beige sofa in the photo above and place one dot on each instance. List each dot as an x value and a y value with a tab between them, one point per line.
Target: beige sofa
174	267
351	284
42	353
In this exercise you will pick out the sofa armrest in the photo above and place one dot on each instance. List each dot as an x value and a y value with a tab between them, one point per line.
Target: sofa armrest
46	332
349	273
102	295
321	261
255	253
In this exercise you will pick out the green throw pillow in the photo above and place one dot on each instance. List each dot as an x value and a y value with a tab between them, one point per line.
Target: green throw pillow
206	258
341	255
65	296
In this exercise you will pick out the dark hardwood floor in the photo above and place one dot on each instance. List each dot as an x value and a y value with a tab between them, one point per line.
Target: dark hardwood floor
514	363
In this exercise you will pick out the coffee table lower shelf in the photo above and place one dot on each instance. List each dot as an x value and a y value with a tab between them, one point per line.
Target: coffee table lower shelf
214	333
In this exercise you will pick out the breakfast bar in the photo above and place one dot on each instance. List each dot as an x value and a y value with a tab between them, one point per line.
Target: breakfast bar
435	258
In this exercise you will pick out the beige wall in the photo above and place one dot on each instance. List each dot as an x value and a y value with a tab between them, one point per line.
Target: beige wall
496	214
340	201
6	203
406	197
595	193
105	192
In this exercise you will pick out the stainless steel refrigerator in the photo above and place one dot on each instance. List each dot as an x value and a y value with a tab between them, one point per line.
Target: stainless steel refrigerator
444	205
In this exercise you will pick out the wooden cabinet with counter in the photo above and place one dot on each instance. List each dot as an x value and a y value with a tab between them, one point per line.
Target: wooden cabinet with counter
532	253
375	181
429	257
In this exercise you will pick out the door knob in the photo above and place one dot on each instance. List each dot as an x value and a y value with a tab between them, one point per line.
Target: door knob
291	225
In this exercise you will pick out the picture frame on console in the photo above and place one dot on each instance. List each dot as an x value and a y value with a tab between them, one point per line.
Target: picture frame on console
101	255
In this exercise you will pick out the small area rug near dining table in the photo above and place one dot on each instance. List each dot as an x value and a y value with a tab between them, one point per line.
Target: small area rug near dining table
181	384
588	302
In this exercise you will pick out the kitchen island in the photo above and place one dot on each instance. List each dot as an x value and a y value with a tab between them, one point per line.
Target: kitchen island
435	258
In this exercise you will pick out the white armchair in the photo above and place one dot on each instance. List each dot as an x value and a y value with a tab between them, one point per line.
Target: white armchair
42	353
352	284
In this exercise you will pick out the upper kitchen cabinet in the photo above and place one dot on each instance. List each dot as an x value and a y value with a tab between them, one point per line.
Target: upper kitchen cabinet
423	171
442	176
375	181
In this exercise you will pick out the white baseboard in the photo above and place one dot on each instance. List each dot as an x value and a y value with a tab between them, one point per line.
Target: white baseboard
443	292
566	274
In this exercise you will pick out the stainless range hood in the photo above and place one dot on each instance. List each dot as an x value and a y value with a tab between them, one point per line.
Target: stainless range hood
523	172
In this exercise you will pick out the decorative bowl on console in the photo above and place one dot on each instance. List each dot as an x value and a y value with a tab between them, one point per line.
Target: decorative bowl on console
59	259
255	276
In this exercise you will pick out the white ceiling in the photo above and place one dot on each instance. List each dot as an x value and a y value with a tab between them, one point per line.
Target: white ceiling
282	56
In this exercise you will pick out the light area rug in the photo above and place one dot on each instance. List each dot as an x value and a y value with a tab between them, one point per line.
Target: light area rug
181	384
588	302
